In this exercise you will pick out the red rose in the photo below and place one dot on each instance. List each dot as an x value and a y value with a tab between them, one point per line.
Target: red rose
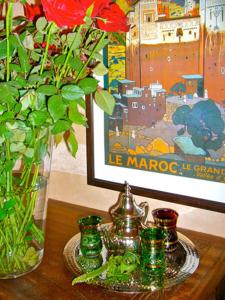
99	5
64	12
33	12
115	19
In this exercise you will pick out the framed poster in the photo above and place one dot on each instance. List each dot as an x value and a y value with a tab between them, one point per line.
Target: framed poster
166	136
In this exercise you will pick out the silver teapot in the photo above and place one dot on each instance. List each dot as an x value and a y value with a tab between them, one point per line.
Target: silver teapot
128	218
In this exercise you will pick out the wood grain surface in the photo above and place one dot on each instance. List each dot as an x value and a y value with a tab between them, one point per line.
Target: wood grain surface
52	281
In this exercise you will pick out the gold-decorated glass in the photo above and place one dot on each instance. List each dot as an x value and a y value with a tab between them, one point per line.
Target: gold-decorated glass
166	219
90	241
153	249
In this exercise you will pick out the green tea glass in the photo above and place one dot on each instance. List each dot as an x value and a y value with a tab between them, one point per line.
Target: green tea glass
153	249
90	241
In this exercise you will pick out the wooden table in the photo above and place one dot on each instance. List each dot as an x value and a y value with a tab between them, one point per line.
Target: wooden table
51	280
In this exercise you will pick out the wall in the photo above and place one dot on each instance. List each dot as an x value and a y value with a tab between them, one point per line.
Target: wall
68	182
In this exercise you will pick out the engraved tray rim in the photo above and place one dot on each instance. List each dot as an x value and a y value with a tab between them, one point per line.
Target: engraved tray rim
186	270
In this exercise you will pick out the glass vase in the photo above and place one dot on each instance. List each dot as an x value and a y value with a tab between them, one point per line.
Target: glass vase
25	166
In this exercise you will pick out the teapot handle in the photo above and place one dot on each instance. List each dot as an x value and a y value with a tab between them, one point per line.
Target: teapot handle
145	206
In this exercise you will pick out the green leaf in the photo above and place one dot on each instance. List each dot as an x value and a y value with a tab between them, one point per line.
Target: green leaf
74	40
100	69
6	93
35	56
2	139
42	151
81	102
35	79
47	89
24	60
29	238
29	152
15	67
17	147
75	116
9	204
30	257
41	24
101	45
13	91
90	275
96	55
9	164
17	108
35	69
27	100
11	126
8	115
3	47
121	39
59	61
61	126
38	118
75	63
22	53
2	214
105	101
88	85
2	109
71	143
28	42
56	107
72	92
18	136
39	37
47	75
30	137
14	41
40	104
21	81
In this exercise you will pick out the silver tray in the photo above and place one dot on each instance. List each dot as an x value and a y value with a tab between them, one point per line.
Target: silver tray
180	265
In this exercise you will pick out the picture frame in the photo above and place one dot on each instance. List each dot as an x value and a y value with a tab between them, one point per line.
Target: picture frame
193	180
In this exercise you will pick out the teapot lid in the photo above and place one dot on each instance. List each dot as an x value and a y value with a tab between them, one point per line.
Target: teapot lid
126	205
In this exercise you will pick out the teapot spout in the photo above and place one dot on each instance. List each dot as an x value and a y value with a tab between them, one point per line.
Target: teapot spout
145	207
106	237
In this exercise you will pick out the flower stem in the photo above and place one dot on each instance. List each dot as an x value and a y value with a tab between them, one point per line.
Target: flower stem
95	49
46	48
68	56
8	31
30	207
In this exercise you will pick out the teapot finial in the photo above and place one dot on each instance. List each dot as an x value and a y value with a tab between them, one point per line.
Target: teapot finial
127	189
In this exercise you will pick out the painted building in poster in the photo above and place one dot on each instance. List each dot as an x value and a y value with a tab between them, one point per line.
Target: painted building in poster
185	30
138	106
171	38
162	40
157	26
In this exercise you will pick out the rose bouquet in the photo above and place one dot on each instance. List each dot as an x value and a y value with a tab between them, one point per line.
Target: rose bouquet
48	59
